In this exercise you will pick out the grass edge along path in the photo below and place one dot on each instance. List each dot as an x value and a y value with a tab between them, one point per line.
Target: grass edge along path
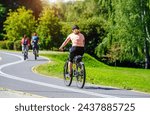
98	73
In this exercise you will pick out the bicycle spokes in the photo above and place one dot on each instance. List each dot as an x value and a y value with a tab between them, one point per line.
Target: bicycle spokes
81	76
78	72
67	76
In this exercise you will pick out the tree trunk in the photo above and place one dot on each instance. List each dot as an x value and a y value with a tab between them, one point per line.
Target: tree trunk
145	30
146	51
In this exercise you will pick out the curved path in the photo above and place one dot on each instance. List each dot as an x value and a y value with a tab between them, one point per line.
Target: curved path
16	74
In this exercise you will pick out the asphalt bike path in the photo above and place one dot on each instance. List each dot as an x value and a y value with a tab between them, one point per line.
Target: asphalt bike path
17	74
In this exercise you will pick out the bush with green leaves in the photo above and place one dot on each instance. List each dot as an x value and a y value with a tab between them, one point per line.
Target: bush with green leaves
3	45
19	22
17	45
49	28
1	36
10	45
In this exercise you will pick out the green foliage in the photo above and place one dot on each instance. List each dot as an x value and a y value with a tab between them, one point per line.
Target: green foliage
17	45
3	45
34	5
92	28
99	73
10	45
79	10
19	22
1	36
2	10
49	28
124	27
2	17
46	44
116	31
94	31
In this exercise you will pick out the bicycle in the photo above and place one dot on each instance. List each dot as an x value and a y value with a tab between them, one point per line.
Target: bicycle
25	53
78	71
35	52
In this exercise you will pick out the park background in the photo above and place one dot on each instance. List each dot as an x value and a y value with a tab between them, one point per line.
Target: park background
116	31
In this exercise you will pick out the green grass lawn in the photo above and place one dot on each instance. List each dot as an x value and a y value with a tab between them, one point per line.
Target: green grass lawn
99	73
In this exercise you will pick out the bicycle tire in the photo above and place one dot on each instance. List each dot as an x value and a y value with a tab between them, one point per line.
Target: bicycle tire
35	54
67	79
82	75
25	55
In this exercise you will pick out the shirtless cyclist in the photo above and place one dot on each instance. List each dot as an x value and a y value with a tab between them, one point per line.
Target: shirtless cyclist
78	43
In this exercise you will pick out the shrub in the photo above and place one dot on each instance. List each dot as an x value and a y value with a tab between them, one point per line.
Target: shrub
10	45
17	45
1	36
3	45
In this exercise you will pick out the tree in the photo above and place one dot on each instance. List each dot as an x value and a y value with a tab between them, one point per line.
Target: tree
86	14
49	28
2	16
128	26
19	22
145	12
34	5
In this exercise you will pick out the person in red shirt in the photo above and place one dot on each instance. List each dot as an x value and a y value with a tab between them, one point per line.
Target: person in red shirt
25	43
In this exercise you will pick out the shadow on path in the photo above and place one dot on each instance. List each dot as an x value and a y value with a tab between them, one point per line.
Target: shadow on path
37	60
100	88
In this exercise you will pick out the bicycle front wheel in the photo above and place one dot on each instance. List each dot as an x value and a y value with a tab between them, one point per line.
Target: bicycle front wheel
67	78
81	75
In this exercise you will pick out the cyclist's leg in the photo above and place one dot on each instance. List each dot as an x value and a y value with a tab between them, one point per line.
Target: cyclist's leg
37	46
70	67
22	49
71	56
33	46
27	48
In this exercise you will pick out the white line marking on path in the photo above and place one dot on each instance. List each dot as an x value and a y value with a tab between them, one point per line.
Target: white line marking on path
45	84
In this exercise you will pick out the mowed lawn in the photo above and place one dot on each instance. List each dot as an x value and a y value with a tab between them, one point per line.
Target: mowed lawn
99	73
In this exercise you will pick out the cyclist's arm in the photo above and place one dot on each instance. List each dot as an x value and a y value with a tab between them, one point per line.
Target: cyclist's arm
84	41
28	42
65	43
22	41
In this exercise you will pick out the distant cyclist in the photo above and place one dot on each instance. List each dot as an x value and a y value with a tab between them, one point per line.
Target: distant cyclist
25	43
78	42
34	42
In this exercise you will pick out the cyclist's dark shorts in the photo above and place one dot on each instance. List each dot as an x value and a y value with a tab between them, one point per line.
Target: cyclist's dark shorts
74	51
35	45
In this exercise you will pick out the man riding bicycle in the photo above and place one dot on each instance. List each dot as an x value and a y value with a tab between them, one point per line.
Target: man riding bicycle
25	43
78	42
34	42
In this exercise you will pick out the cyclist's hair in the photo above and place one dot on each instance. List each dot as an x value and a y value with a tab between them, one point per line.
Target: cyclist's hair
34	34
76	31
24	35
75	27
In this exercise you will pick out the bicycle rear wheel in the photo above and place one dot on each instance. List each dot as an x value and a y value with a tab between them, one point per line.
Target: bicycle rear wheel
35	54
81	75
25	55
67	78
